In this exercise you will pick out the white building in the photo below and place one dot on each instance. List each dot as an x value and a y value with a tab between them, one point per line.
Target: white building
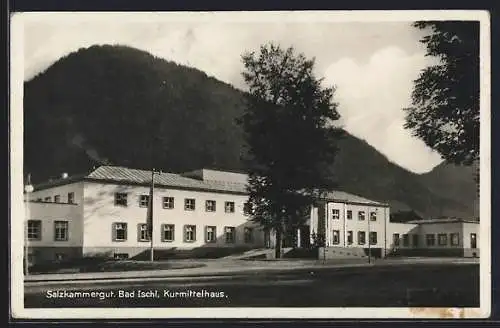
198	212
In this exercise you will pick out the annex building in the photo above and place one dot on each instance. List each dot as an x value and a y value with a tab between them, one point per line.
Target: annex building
204	212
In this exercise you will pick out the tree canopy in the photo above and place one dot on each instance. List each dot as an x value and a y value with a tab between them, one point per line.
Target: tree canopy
445	98
289	129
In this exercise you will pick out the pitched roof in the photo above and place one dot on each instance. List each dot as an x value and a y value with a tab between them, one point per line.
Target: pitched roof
124	175
443	220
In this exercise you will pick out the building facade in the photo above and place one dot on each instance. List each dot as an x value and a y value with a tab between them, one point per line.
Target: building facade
201	212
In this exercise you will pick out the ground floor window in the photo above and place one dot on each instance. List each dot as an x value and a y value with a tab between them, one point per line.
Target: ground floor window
373	238
406	240
143	233
211	235
229	234
415	240
120	256
189	233
248	233
361	238
430	240
335	237
395	239
442	239
167	232
349	238
454	239
119	231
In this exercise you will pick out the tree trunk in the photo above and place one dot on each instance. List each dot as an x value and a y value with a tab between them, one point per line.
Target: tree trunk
277	247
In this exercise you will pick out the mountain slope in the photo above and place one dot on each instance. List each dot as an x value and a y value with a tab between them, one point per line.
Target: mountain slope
122	106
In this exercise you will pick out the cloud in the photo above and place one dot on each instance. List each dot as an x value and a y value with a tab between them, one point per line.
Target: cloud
371	97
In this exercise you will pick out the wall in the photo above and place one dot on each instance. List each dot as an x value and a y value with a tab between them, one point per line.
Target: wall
100	213
47	248
76	188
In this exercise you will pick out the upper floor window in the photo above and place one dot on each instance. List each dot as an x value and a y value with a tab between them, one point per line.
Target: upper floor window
373	238
119	231
168	202
406	240
349	238
47	199
71	197
229	207
361	215
34	230
61	230
210	206
335	214
373	216
144	200
120	199
247	208
189	204
57	198
349	215
361	238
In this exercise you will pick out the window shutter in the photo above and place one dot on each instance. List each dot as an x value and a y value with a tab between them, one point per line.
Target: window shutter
162	232
139	231
206	234
126	231
184	233
113	231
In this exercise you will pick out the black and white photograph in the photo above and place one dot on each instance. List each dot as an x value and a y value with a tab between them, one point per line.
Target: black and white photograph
294	164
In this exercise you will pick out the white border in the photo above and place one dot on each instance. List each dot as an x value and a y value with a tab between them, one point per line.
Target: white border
16	144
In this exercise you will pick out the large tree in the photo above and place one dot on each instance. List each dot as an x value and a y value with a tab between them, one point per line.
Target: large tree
291	137
445	98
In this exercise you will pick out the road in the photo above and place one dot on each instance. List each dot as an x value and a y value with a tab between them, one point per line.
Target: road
425	285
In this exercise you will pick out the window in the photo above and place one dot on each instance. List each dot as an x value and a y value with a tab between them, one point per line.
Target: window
59	257
454	239
349	215
119	231
57	198
167	232
415	240
406	240
39	200
248	235
34	230
189	204
361	215
229	207
71	197
120	256
349	238
473	241
442	239
395	239
120	199
142	232
373	238
47	199
189	233
61	230
210	234
373	216
335	214
210	206
168	202
143	200
430	239
247	208
335	237
361	237
229	233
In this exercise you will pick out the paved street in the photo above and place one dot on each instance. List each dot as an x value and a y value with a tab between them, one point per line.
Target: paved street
445	285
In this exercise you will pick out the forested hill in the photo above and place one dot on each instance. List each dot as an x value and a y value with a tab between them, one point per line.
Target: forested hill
122	106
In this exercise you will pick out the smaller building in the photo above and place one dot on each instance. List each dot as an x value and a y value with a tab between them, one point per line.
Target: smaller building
435	237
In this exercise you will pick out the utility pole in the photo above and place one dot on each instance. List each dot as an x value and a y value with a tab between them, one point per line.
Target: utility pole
28	188
150	214
369	239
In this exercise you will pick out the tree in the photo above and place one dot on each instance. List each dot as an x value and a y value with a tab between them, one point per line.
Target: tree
445	98
291	139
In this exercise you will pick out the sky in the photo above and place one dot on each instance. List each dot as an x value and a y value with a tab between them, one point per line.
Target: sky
372	63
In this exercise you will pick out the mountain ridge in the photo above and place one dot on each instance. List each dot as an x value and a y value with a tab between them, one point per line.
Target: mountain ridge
123	106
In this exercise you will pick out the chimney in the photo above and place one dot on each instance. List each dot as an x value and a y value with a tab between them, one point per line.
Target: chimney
64	175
